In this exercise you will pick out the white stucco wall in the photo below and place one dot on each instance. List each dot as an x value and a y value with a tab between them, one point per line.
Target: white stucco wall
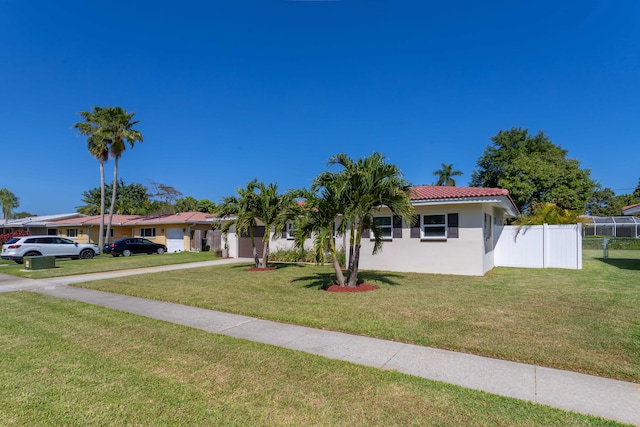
464	255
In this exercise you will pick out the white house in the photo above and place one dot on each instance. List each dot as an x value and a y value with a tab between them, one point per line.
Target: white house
631	210
455	233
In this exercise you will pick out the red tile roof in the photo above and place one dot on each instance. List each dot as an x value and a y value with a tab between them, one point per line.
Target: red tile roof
630	206
427	192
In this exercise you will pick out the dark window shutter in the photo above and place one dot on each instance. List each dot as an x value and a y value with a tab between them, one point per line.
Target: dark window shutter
366	233
284	231
452	226
415	228
397	227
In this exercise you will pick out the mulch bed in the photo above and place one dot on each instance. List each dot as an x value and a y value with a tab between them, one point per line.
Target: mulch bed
260	269
362	287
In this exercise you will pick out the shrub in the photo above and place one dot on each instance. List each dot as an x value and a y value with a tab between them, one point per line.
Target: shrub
4	238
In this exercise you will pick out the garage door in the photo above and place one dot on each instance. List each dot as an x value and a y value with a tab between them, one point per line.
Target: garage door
175	240
244	243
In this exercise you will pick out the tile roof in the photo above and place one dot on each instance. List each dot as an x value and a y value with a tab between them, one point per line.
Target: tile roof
120	220
631	206
430	192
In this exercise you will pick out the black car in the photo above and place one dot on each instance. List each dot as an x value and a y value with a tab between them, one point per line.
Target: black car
133	245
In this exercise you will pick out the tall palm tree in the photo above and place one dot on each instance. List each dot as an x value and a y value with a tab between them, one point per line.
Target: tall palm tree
360	189
117	127
98	147
9	202
446	174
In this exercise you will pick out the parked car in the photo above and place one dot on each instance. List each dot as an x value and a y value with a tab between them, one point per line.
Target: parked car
128	246
19	247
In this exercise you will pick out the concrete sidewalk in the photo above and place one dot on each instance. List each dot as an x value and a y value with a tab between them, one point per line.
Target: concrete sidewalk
611	399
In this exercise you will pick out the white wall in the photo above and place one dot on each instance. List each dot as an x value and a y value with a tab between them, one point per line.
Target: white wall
540	246
463	255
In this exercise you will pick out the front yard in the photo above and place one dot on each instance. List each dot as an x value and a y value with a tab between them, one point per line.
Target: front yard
71	364
586	320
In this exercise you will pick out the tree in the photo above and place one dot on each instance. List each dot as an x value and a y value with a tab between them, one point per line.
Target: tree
601	202
321	208
186	204
98	147
131	199
604	202
23	214
258	202
116	126
240	212
359	190
206	206
533	169
446	174
167	195
273	210
548	213
9	202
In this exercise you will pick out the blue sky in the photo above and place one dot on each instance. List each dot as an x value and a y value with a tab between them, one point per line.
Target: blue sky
228	91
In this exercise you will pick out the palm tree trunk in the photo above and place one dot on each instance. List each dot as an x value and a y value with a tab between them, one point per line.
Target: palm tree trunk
113	197
253	246
351	242
353	271
336	263
265	255
101	235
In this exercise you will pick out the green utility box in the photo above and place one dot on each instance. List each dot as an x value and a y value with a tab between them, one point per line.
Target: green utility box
39	262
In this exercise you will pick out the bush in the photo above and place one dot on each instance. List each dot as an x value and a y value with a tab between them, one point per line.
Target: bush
628	243
4	238
291	255
624	243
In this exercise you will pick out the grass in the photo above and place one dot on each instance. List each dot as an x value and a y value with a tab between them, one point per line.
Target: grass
68	363
69	267
581	320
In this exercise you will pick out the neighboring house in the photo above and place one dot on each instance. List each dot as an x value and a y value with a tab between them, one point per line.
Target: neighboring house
631	210
455	233
35	224
179	232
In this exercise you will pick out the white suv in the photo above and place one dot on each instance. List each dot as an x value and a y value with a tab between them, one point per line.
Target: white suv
19	247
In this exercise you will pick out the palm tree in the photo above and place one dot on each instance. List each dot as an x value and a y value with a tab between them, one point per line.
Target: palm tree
99	148
273	210
320	212
446	174
548	213
359	190
9	202
117	127
240	212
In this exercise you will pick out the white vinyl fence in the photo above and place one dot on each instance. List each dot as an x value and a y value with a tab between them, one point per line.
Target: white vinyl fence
539	246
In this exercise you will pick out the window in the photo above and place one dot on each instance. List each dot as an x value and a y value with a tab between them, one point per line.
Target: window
104	232
148	232
72	232
52	232
487	227
385	223
434	227
290	231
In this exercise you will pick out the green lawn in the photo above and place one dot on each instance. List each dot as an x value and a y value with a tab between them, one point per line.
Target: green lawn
69	363
582	320
69	267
